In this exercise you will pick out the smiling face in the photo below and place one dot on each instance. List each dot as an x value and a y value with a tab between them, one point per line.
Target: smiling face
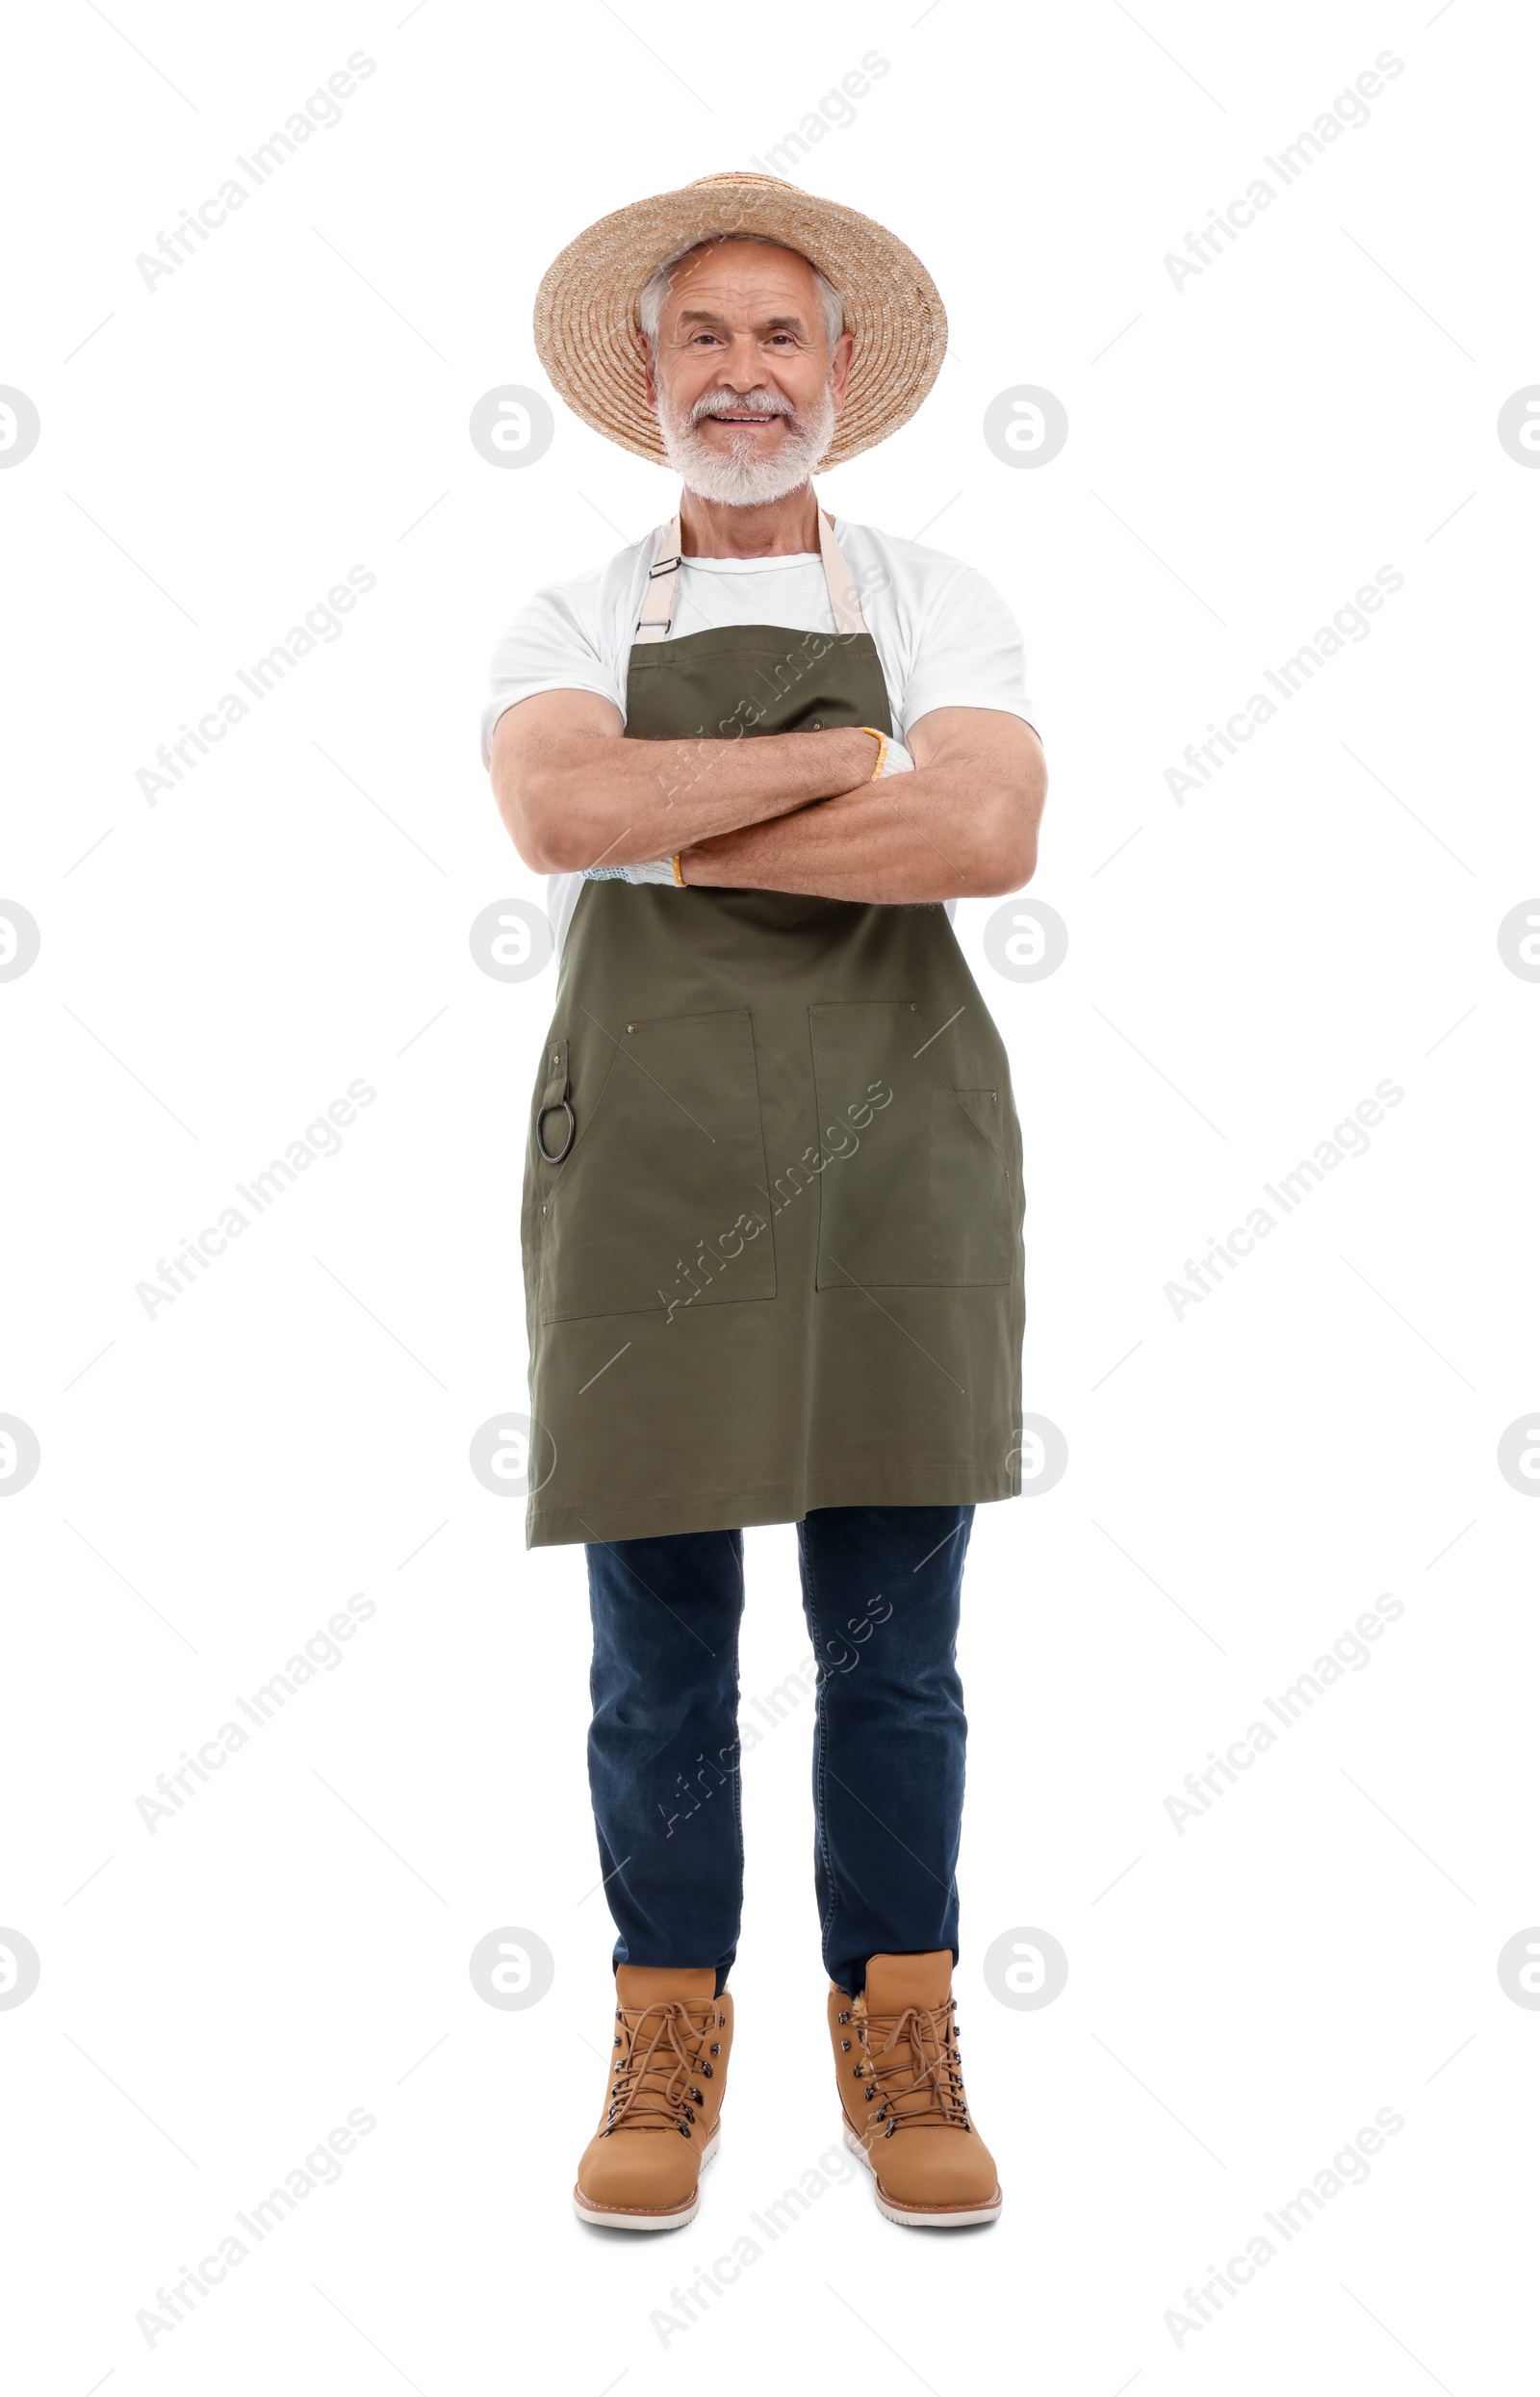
744	382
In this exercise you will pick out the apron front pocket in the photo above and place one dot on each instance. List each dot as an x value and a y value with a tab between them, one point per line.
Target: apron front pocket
661	1203
913	1186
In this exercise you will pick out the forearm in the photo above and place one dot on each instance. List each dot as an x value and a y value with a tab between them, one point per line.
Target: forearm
925	835
587	800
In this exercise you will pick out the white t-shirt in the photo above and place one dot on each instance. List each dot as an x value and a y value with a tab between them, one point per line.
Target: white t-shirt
944	636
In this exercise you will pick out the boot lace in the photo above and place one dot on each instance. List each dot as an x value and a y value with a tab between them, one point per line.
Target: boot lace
911	2069
662	2053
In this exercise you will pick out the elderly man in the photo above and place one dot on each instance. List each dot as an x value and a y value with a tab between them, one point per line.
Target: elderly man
772	1201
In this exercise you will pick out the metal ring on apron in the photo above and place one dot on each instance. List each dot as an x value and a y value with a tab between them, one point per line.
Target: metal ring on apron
572	1131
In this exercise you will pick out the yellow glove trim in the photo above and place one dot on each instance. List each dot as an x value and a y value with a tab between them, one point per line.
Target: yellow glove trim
880	738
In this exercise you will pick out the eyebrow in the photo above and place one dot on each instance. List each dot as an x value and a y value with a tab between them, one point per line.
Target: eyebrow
790	323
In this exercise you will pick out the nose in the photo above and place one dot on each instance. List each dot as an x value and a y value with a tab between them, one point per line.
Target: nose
740	363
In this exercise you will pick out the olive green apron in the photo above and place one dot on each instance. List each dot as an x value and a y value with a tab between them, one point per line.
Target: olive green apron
773	1198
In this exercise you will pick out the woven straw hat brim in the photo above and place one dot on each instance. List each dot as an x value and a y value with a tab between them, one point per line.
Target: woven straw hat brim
585	320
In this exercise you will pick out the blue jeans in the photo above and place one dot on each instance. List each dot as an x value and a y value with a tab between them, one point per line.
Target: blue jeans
881	1587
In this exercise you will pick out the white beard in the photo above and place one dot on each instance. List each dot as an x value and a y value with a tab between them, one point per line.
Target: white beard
740	477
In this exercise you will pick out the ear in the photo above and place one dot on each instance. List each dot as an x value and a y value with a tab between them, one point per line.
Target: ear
839	365
649	369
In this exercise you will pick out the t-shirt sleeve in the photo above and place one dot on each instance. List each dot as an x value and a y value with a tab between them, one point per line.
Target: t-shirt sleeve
970	654
553	644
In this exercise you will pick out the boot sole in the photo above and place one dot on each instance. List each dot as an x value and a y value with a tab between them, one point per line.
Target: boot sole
636	2218
914	2217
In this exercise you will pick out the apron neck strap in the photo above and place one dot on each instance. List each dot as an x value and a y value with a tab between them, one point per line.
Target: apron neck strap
664	583
842	599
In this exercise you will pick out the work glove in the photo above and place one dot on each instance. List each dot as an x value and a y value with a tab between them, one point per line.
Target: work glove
657	869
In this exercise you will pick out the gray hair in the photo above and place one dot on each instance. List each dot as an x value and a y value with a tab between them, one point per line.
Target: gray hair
650	305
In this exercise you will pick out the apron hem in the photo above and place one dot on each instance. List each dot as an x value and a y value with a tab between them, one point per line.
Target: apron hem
729	1510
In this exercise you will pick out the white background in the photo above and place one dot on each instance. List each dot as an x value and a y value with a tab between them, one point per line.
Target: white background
1243	970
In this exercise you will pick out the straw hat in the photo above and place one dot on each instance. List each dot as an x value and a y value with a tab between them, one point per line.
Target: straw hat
585	309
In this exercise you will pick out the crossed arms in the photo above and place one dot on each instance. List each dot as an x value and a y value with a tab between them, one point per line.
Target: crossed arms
783	811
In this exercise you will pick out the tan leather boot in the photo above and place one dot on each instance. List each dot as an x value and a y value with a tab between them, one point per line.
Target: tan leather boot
642	2166
901	2089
